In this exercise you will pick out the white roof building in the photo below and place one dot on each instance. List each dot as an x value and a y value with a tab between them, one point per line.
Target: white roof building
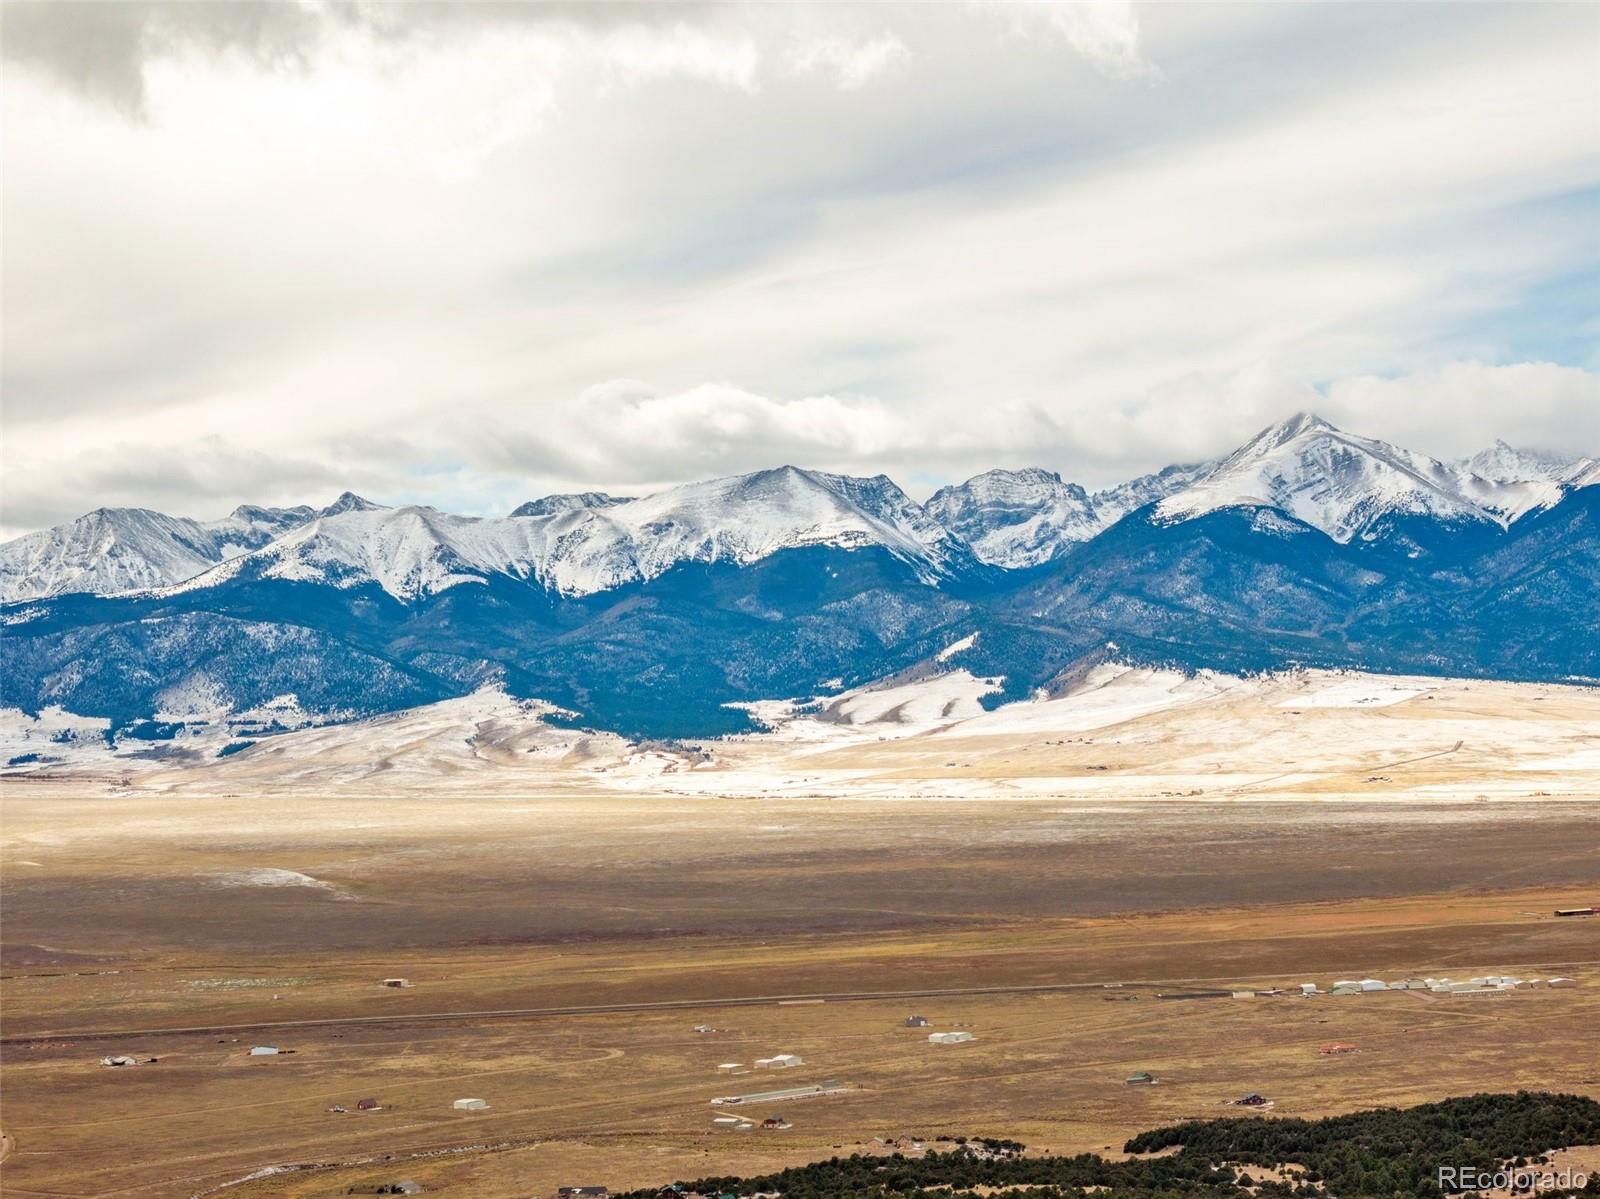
470	1105
263	1050
950	1038
778	1061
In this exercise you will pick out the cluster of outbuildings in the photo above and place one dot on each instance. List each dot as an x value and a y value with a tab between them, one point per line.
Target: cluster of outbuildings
362	1105
1484	984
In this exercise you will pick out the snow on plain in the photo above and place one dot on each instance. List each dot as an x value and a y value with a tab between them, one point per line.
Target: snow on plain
269	876
1365	691
1109	694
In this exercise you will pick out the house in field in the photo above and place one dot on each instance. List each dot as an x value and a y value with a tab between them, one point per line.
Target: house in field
265	1051
776	1122
1373	984
1575	911
1244	994
1142	1079
704	1028
730	1067
1308	988
950	1038
1337	1047
366	1105
916	1022
470	1105
119	1059
779	1061
1562	982
397	982
1253	1099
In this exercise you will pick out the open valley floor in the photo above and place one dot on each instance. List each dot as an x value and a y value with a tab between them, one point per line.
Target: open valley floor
644	891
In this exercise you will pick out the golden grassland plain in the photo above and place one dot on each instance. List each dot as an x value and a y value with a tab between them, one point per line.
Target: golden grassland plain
272	893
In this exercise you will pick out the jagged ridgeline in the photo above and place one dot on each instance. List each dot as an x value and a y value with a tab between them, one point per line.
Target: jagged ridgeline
1307	546
1387	1152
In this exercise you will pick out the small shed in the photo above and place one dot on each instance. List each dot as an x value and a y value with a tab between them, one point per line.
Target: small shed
1373	984
776	1121
1244	994
1337	1047
119	1059
729	1067
704	1028
1308	988
1562	982
1253	1099
366	1105
265	1051
470	1105
916	1022
397	982
950	1038
1142	1078
778	1061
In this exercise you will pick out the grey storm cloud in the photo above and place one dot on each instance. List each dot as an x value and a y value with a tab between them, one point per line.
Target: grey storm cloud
101	47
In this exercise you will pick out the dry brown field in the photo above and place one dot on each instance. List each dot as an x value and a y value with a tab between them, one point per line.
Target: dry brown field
264	895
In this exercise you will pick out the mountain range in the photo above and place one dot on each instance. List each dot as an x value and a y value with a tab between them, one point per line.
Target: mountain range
650	615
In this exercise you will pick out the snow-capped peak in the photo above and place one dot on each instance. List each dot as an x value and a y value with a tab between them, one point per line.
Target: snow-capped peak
1343	484
566	502
1502	463
1016	518
581	549
1021	518
349	501
113	550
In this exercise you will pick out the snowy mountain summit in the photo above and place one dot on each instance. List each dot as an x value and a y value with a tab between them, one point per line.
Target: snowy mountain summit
1020	518
582	543
112	550
1344	484
578	548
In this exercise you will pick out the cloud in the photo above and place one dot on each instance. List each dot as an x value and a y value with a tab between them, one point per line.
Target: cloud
852	64
405	246
206	477
628	438
1104	32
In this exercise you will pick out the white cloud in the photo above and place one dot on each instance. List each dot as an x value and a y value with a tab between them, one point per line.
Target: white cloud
910	240
852	64
1105	32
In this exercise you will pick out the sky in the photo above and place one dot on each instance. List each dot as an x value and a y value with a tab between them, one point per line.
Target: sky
466	255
